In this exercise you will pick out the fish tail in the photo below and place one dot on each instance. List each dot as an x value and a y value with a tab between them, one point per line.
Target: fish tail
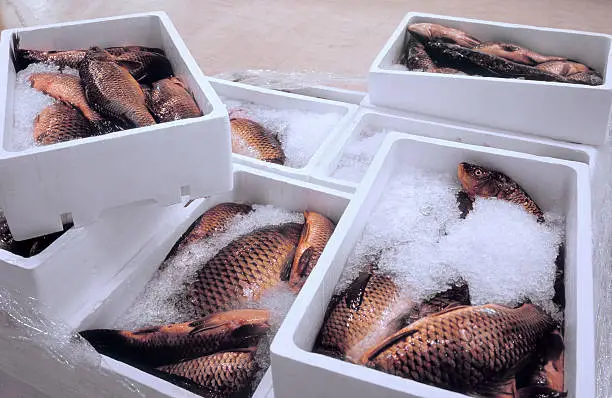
18	56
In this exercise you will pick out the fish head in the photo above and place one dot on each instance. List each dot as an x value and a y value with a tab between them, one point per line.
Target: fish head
421	29
478	181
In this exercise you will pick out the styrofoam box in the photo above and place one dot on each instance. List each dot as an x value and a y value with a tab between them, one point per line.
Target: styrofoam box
81	178
101	308
282	100
331	93
554	184
396	121
570	112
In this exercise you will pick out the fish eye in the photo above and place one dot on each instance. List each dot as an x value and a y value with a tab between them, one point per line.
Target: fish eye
478	173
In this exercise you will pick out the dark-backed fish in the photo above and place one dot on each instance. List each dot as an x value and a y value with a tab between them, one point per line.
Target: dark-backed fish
464	349
479	181
456	295
112	91
146	67
315	234
67	88
60	122
224	372
213	221
161	345
432	31
355	313
414	57
170	100
515	53
250	138
118	50
245	268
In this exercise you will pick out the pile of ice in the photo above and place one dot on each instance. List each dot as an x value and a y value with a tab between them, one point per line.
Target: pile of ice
28	103
300	132
500	250
358	155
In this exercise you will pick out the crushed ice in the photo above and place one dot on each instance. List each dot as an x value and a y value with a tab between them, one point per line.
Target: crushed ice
300	132
500	250
358	155
28	103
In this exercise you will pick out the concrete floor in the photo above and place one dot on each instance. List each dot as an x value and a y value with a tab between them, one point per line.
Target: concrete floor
336	36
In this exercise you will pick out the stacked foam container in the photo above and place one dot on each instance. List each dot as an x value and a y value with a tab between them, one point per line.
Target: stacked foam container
543	134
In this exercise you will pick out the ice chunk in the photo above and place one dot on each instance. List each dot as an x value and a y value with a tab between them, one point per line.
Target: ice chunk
28	103
358	155
300	132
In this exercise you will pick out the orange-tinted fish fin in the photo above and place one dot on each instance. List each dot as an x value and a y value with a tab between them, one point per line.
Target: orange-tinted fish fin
388	342
450	308
304	261
354	293
128	64
150	330
206	324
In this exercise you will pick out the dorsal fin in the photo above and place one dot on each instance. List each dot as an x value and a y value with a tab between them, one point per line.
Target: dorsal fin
386	343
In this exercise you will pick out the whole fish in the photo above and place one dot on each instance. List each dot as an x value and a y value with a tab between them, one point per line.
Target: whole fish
563	67
250	138
172	343
169	100
146	67
112	91
355	313
478	181
67	88
457	295
60	122
464	349
224	372
213	221
245	268
432	31
515	53
315	234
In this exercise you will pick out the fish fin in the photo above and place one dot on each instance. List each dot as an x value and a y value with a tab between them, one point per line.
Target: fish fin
450	308
354	293
205	325
146	331
304	261
285	273
386	343
128	64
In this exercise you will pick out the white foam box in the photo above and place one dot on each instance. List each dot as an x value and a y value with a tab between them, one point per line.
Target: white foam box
568	112
84	259
385	119
109	302
79	179
553	183
281	100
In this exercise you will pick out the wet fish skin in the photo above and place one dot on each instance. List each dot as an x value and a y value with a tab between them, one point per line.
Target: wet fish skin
245	268
432	31
590	78
118	50
67	88
162	345
414	55
456	295
563	67
250	138
479	181
548	370
515	53
464	349
224	372
315	235
58	123
112	91
213	221
169	100
146	67
540	392
355	313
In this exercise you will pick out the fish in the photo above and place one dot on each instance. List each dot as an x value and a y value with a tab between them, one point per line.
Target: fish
67	88
456	295
548	370
144	66
214	220
169	100
162	345
432	31
112	91
463	349
415	58
563	67
250	138
315	235
479	181
515	53
60	122
118	50
591	78
223	372
355	313
539	392
245	268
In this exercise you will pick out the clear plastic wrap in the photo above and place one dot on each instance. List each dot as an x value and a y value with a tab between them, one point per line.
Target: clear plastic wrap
602	264
43	357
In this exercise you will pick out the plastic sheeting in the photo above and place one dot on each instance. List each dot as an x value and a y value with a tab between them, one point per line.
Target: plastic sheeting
42	357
